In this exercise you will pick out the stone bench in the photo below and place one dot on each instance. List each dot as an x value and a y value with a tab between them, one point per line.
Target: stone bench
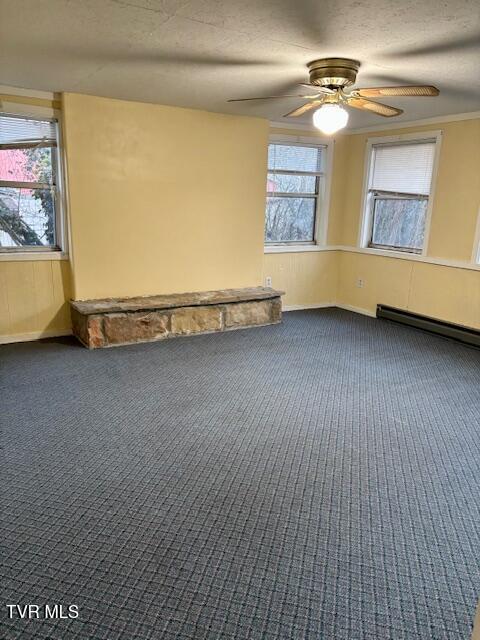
116	321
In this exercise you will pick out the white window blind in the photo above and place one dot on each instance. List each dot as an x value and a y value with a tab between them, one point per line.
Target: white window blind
15	131
283	157
403	168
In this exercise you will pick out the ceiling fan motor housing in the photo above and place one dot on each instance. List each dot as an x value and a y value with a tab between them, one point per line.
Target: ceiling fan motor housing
333	72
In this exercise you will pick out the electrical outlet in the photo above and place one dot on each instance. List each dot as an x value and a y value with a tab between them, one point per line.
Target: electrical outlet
268	281
360	283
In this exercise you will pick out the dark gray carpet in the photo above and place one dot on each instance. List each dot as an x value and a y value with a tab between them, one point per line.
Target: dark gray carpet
318	479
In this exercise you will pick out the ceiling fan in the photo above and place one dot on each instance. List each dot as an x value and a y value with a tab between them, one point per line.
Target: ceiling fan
330	77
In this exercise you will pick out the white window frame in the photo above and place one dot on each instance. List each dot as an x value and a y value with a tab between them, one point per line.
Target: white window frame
322	198
366	227
34	251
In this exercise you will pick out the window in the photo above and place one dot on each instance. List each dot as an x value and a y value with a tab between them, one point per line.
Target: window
295	182
398	194
29	196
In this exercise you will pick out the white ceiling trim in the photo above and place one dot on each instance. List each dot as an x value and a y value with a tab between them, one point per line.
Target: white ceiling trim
26	93
471	115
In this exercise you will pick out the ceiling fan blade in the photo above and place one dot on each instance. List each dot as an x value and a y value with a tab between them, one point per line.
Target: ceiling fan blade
318	88
411	90
303	109
270	98
375	107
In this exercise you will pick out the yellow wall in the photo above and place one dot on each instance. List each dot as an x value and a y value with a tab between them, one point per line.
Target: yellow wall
33	299
308	279
163	199
457	192
33	293
444	292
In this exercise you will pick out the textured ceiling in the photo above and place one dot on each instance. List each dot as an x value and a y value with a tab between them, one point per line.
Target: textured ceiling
199	53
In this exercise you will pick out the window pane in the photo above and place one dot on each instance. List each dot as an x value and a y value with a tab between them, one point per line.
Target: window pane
291	158
290	219
399	223
286	183
26	165
26	217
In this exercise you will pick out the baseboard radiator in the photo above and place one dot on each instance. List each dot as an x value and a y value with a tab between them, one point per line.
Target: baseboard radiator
445	329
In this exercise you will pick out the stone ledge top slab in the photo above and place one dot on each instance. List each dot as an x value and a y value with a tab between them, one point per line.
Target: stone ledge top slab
170	301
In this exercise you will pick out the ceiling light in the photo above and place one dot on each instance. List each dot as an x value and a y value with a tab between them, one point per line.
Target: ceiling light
330	118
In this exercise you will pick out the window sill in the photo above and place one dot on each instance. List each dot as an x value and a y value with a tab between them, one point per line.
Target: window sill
300	248
32	256
408	252
387	251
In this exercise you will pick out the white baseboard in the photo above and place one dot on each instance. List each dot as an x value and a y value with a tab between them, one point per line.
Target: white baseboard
363	312
299	307
34	335
324	305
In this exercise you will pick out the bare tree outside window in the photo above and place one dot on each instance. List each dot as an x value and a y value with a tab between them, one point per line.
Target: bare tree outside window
399	222
293	185
398	194
27	184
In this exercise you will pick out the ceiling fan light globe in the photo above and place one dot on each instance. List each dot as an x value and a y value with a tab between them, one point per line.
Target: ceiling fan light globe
330	118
